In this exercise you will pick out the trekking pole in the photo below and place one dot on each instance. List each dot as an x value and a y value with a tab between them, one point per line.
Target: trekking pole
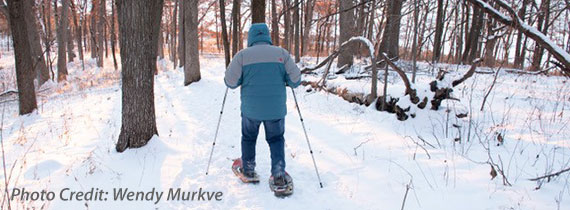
307	137
217	129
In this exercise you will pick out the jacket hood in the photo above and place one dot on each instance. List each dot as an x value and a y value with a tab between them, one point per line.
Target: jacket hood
258	32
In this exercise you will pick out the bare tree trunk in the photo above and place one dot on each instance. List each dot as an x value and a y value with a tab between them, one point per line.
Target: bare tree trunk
38	60
296	22
113	34
235	25
287	26
347	28
307	27
61	39
78	31
415	42
274	24
225	40
181	39
173	34
138	20
390	40
472	41
69	41
23	55
438	31
100	32
93	29
160	44
489	56
192	60
258	11
48	36
543	20
519	59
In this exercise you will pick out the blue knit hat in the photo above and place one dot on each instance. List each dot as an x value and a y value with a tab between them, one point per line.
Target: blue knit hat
258	32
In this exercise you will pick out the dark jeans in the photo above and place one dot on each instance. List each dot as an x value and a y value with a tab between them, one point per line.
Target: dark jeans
274	130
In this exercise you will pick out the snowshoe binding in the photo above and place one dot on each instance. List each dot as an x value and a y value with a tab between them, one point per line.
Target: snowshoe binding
281	186
237	168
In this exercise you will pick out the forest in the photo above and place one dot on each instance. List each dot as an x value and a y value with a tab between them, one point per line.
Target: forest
407	104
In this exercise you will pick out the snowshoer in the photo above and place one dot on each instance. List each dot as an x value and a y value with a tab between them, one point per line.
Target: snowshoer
263	71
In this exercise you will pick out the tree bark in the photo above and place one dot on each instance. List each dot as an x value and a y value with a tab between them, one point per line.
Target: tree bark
100	37
160	44
307	27
192	60
23	55
70	53
46	6
472	40
139	24
38	60
93	29
235	26
438	31
258	11
296	22
113	33
391	37
78	31
543	20
519	58
274	24
287	26
181	39
347	28
173	34
225	40
61	39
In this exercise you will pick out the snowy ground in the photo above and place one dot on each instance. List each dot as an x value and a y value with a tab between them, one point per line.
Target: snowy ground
367	159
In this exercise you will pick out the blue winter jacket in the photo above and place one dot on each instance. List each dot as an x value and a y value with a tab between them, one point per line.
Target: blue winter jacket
262	70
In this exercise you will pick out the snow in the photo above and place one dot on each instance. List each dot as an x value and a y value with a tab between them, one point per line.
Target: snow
366	158
556	48
489	7
366	41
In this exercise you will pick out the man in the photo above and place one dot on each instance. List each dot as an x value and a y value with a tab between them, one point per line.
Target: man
263	70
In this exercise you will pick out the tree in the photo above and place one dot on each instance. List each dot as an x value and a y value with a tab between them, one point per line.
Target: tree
139	25
100	37
78	30
181	40
472	39
296	23
515	22
24	68
61	41
38	60
438	31
346	27
192	60
225	40
113	33
391	37
258	11
520	49
287	25
274	24
235	26
173	34
543	24
310	5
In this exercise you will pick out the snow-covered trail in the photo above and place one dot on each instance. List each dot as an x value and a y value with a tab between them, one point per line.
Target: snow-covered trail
364	157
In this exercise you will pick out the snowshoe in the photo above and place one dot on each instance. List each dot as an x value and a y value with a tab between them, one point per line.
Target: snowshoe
238	171
281	186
